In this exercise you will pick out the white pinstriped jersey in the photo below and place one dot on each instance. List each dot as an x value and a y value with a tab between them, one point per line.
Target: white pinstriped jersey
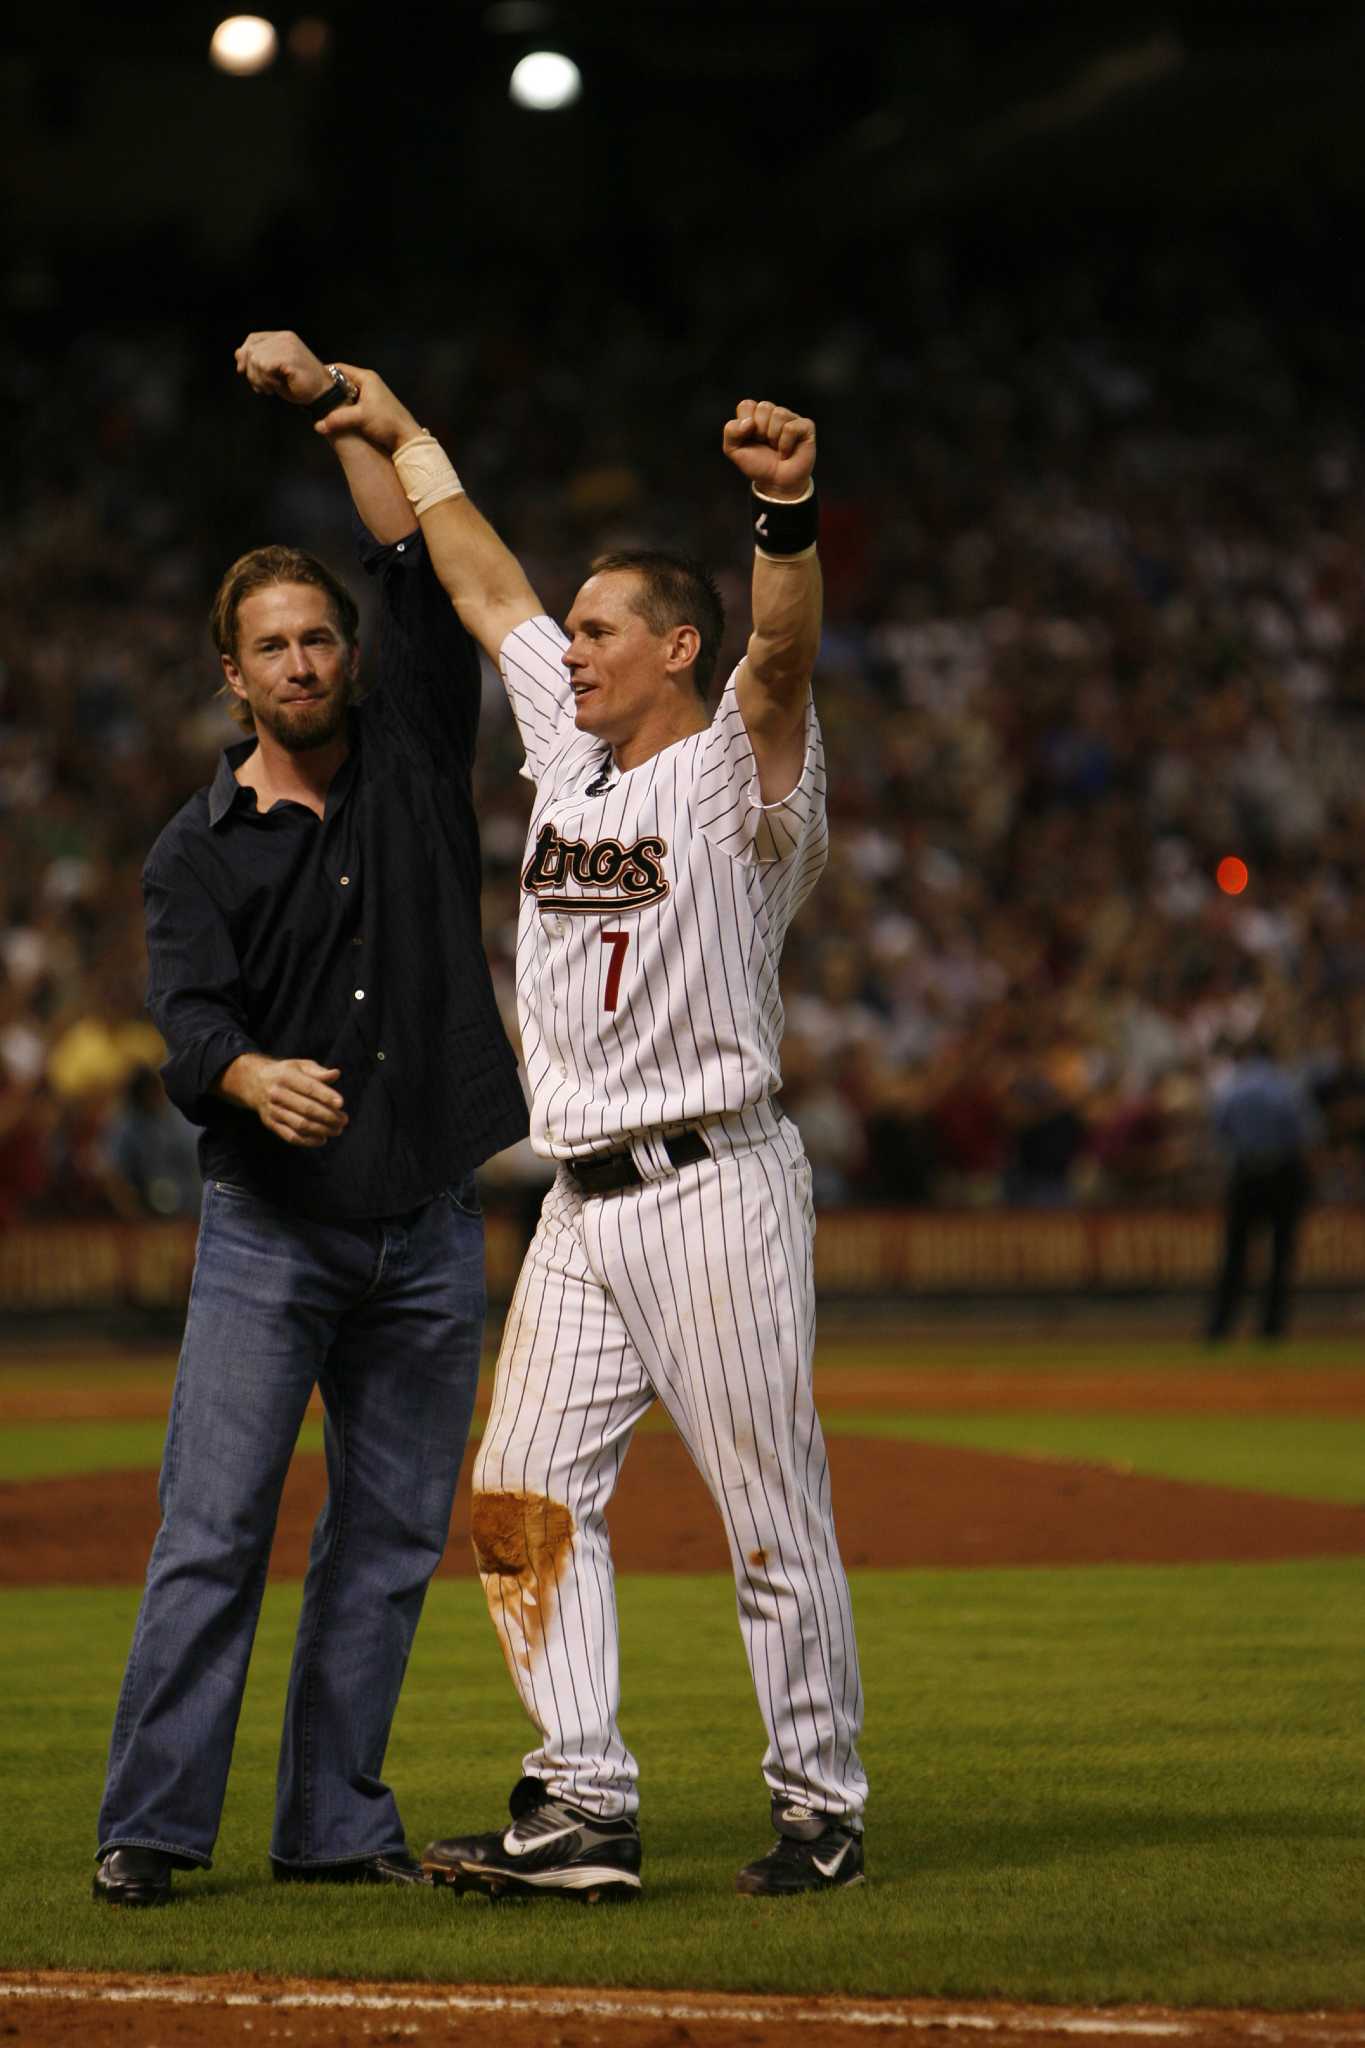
653	913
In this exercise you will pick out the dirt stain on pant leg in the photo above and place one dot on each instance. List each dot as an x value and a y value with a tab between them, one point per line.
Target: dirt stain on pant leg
521	1546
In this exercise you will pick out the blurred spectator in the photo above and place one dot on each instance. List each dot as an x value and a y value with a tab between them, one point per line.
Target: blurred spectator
1338	1083
100	1051
28	1120
901	1142
966	1110
831	1129
154	1151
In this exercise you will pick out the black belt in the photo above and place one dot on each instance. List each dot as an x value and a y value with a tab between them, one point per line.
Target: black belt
603	1173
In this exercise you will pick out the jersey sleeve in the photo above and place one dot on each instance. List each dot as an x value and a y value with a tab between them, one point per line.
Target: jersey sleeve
730	809
537	686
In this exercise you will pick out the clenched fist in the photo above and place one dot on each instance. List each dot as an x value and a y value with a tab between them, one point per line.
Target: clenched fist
276	364
773	447
294	1099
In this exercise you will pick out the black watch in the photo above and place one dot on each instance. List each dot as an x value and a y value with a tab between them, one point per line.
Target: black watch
341	391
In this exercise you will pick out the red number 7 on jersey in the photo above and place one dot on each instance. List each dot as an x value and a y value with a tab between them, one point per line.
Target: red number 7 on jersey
618	941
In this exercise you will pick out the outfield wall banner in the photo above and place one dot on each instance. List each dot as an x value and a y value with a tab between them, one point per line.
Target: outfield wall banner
1023	1251
57	1266
920	1252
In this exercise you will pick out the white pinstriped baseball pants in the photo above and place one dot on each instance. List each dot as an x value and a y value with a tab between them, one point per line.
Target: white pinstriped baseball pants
696	1288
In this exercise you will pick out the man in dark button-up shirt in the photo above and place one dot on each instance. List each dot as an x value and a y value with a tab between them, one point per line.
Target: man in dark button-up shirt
352	938
317	971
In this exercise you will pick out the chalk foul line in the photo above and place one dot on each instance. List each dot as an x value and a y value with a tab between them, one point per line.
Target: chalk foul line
601	2005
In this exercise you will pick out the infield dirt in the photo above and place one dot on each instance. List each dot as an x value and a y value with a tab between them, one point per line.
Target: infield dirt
898	1503
111	2012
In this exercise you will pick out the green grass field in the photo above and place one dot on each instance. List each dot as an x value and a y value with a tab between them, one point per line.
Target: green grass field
1313	1457
1091	1785
53	1450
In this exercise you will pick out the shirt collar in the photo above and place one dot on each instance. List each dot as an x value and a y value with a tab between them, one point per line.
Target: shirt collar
225	789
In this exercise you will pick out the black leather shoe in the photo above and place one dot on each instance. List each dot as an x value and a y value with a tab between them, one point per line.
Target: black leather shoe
134	1877
364	1870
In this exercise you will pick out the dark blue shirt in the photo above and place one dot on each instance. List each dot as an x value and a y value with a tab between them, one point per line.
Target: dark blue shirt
352	939
1260	1116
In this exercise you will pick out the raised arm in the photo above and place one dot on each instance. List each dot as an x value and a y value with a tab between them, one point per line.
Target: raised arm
775	450
276	364
482	577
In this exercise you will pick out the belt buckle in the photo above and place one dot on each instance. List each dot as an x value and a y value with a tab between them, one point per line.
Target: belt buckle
605	1173
686	1148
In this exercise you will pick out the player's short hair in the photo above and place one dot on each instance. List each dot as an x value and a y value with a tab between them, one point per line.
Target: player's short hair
674	590
256	570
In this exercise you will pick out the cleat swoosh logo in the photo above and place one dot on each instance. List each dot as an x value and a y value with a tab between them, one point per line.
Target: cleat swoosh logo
514	1846
835	1863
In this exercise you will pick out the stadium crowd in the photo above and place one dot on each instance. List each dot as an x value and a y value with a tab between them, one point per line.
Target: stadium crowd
1095	624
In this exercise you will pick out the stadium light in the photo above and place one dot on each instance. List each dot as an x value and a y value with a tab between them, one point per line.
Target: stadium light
545	80
244	44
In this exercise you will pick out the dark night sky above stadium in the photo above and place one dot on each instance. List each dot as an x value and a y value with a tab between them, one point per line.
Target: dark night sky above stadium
134	170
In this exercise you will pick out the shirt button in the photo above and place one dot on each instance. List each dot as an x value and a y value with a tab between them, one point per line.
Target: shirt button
360	995
379	1055
402	547
345	881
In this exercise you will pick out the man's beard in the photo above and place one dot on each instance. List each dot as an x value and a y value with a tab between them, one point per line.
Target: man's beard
301	727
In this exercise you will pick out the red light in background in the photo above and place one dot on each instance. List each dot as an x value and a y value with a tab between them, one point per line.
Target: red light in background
1232	875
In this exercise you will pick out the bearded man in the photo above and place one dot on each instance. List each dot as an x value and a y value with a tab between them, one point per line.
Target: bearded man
317	972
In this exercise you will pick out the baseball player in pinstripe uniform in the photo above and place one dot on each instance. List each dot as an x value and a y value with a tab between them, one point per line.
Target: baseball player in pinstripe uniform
667	852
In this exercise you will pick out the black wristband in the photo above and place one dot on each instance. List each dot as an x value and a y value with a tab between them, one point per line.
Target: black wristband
340	391
785	526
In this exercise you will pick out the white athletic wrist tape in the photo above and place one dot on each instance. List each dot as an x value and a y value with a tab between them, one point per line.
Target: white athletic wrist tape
426	472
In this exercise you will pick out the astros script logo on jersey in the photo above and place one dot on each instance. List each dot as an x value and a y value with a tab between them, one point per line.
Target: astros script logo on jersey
620	877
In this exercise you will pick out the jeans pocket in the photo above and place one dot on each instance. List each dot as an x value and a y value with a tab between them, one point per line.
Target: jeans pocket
463	1196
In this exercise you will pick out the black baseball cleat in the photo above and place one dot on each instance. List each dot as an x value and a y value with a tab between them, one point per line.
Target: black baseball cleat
813	1852
134	1877
550	1847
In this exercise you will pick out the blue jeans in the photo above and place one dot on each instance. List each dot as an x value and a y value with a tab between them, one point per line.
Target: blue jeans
386	1319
